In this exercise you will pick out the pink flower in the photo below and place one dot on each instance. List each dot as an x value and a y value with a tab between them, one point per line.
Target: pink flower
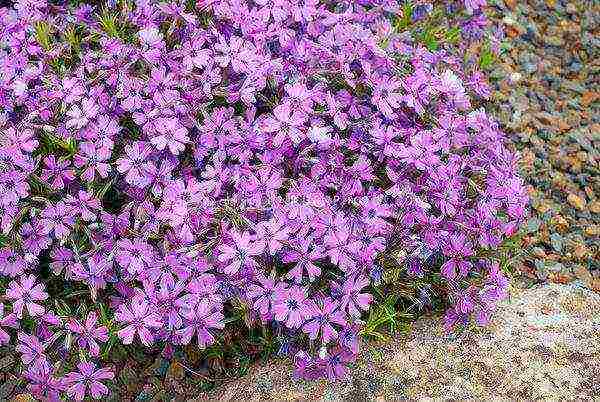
240	253
31	349
89	333
8	320
26	293
291	307
286	124
57	173
321	319
199	320
43	382
170	134
135	165
87	379
140	318
94	160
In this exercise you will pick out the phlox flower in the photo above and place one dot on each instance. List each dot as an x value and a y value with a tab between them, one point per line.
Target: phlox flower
89	333
44	383
57	220
286	124
200	320
263	293
304	255
457	248
26	294
322	317
31	349
351	298
12	264
57	173
240	253
135	164
88	378
273	234
13	186
8	320
134	255
171	135
93	160
291	307
140	318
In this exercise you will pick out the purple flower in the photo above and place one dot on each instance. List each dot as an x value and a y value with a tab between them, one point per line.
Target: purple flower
93	159
135	256
8	320
263	294
342	248
89	333
135	165
57	173
88	379
79	117
457	248
273	234
321	319
200	320
11	263
140	318
43	382
240	253
57	220
387	97
13	186
31	349
169	134
351	298
349	338
25	294
291	307
308	368
286	124
305	259
336	362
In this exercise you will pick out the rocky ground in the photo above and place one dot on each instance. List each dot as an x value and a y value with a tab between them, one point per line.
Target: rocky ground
544	344
548	99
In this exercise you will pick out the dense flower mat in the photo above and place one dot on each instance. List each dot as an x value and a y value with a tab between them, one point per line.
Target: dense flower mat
166	168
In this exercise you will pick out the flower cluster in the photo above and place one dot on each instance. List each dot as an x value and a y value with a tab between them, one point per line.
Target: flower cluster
172	160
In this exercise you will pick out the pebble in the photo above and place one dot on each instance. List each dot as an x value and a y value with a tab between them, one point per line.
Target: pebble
546	99
576	201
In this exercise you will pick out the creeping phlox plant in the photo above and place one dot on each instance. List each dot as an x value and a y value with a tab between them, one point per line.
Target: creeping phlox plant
168	161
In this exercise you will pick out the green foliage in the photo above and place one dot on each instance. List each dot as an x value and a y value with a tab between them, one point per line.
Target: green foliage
486	58
385	318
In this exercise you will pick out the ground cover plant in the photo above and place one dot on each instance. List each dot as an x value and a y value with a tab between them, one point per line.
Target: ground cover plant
293	173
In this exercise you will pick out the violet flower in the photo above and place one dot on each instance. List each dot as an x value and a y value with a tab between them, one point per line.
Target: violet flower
88	379
25	295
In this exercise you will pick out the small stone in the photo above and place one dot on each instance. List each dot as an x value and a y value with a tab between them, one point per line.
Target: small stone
24	398
592	230
588	97
576	201
533	225
508	20
560	223
176	370
580	251
557	242
515	77
554	40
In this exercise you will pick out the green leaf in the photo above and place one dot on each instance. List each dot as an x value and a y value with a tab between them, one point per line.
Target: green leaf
486	59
